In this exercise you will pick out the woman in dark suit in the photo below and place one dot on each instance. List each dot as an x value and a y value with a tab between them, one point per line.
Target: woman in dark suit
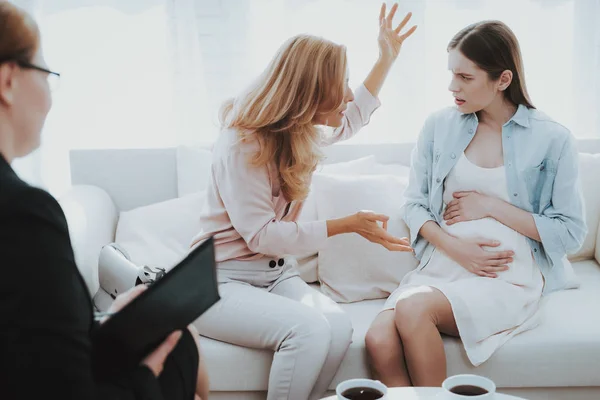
46	315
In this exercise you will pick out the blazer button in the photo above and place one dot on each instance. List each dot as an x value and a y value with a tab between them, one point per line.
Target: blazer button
281	262
272	264
470	130
438	180
453	156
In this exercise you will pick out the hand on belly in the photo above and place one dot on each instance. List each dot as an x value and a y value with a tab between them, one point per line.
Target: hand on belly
487	228
490	228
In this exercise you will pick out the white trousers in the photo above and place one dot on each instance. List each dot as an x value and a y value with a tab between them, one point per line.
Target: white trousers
268	306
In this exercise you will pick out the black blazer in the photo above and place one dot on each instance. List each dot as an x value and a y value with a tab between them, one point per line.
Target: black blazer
46	313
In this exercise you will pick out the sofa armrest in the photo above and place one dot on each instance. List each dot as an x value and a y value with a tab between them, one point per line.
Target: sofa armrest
597	244
92	218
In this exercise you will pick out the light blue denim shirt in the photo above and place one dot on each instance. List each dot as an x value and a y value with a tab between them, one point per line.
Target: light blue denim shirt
541	164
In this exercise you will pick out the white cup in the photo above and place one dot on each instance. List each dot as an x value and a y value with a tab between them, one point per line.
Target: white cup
353	383
466	379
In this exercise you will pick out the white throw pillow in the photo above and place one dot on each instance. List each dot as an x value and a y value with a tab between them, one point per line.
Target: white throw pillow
193	169
589	169
307	263
353	167
159	235
350	267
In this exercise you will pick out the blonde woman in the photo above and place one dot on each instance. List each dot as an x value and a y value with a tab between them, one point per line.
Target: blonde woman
261	170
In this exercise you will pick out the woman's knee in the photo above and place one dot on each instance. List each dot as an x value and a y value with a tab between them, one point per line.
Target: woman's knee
341	329
382	335
411	313
311	330
185	357
194	332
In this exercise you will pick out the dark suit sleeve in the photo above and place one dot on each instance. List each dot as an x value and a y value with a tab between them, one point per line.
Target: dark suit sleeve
46	311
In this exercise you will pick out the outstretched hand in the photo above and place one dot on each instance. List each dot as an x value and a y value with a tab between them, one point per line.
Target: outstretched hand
390	40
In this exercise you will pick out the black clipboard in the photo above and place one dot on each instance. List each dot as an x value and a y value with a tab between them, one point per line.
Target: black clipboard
171	303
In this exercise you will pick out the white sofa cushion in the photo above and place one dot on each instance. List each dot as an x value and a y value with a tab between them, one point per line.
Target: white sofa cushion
589	168
350	267
160	234
353	167
562	351
308	263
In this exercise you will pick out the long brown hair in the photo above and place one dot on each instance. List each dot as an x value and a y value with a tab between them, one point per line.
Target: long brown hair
494	48
306	77
19	34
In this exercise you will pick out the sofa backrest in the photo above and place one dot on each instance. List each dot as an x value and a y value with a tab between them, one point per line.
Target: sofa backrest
139	177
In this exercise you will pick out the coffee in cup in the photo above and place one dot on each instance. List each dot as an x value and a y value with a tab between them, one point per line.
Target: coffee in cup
361	389
469	387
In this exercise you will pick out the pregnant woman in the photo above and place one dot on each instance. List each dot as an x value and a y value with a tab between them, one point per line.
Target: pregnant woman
493	206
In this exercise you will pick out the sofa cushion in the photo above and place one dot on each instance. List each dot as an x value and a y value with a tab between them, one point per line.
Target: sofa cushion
307	263
350	267
562	351
589	168
159	235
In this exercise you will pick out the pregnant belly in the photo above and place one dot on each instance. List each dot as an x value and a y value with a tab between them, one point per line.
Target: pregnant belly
489	228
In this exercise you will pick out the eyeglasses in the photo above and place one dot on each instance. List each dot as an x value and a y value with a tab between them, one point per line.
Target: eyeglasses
53	77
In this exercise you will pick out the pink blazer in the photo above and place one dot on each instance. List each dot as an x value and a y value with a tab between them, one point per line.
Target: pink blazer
245	210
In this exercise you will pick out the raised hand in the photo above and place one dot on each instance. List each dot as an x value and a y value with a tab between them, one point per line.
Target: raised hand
390	40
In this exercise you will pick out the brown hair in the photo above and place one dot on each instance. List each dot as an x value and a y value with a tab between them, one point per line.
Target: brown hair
19	34
305	78
494	48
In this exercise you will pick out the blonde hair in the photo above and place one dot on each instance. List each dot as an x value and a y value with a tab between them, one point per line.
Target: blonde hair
305	78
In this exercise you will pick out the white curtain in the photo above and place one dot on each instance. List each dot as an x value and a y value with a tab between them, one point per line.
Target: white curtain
192	121
153	73
131	77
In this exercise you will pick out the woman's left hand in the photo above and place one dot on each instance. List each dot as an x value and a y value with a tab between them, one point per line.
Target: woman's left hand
390	40
468	206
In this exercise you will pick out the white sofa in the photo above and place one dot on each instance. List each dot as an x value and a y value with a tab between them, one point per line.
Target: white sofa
558	360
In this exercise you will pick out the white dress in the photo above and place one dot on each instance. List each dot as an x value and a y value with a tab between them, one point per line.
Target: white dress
488	311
